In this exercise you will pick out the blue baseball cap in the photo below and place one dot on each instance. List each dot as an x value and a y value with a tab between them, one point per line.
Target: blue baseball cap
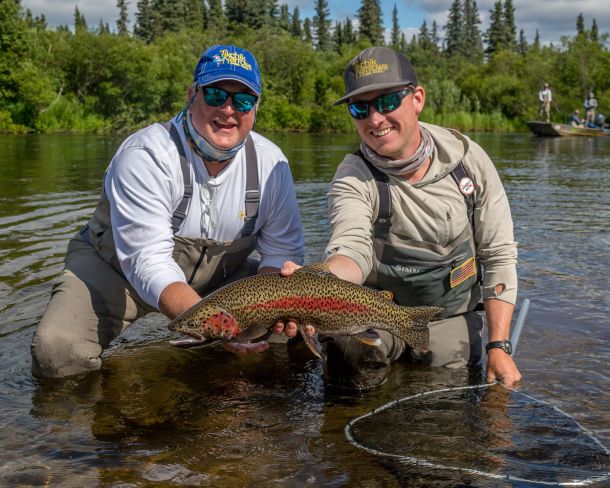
220	63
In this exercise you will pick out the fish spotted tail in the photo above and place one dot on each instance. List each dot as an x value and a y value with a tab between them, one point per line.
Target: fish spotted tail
413	326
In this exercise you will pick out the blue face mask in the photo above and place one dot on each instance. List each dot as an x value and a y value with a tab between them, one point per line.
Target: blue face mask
206	150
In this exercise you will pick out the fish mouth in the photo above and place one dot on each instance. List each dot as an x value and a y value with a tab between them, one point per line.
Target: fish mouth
188	339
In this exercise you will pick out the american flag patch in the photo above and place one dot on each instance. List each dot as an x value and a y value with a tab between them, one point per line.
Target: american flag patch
464	271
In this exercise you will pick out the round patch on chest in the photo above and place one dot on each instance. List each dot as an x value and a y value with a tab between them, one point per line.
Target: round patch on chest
466	186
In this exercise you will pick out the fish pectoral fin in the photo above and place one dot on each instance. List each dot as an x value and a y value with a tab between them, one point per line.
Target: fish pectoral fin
368	337
311	345
252	333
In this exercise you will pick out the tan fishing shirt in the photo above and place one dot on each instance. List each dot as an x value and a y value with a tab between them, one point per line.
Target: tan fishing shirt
433	213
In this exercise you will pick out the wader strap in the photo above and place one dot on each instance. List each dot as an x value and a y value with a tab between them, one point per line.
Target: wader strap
253	194
381	226
459	173
180	212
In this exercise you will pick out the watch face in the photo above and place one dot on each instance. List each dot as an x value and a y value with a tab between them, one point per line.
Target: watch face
508	347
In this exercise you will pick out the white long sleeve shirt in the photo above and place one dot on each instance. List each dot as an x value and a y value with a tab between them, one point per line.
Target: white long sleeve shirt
144	185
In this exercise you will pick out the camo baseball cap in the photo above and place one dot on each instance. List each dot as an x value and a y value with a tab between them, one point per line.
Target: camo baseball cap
376	68
220	63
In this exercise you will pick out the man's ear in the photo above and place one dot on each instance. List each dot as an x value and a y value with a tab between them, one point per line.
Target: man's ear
419	99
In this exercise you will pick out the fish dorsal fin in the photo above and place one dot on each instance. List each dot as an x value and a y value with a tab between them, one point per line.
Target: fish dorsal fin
388	295
320	269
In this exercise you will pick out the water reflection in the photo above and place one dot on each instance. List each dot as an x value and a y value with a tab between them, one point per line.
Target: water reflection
160	416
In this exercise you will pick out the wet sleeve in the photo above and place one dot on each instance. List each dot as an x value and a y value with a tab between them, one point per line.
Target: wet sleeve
352	203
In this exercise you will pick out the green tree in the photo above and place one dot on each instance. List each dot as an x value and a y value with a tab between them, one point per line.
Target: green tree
522	47
594	34
321	25
454	29
536	43
296	29
349	35
510	28
371	24
580	24
434	34
338	39
395	35
167	16
471	45
194	14
284	20
121	23
216	16
307	35
495	33
424	40
144	28
80	24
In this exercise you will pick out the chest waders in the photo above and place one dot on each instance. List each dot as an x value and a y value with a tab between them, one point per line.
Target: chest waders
423	273
205	262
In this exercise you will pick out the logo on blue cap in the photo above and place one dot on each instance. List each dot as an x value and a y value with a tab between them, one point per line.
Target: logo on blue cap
220	63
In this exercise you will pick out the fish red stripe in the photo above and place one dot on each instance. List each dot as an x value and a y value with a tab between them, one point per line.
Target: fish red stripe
309	303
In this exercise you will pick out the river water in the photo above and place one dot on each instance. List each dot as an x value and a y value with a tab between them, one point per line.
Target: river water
158	416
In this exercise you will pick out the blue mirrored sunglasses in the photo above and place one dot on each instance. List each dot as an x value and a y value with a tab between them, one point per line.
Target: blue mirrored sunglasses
215	97
388	102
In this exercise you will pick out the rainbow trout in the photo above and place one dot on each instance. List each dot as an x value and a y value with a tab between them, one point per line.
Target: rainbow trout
246	309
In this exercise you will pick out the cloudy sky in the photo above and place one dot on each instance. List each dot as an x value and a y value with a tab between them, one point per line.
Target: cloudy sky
552	18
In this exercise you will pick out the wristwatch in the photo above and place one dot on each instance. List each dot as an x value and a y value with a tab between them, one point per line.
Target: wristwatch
506	346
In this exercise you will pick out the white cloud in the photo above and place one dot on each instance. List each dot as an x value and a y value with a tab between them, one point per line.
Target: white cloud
552	18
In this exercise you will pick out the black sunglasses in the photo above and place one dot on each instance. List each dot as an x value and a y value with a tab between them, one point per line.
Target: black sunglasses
384	104
215	97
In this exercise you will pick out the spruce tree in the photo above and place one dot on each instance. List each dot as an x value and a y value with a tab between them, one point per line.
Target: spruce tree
321	25
471	45
284	20
522	48
580	25
495	33
423	38
349	35
168	16
216	16
144	23
434	34
594	34
80	24
307	35
454	29
395	37
371	25
193	14
510	28
536	43
338	39
121	23
296	29
403	43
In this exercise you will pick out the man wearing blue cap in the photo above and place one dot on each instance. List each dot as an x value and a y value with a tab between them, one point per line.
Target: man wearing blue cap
183	206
